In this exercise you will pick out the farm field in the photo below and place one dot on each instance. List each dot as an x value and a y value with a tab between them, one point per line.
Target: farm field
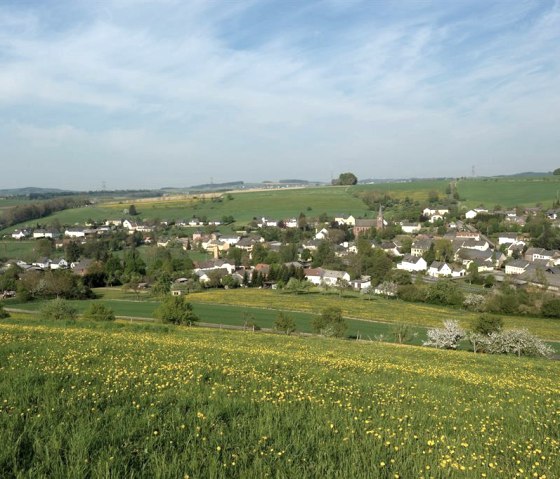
135	401
228	315
509	192
18	249
416	190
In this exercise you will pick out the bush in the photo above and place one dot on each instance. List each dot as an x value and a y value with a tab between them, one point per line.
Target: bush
444	293
330	323
99	312
551	308
411	293
519	342
58	309
3	313
176	310
284	323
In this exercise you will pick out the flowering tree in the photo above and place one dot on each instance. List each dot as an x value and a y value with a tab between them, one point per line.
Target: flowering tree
517	341
447	337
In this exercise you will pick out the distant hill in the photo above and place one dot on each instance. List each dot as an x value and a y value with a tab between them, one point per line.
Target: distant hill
31	190
526	174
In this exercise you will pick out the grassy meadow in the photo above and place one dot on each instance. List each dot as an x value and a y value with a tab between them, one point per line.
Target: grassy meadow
509	192
89	400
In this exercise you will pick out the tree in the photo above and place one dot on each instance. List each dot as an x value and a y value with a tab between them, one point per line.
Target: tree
346	179
556	171
402	332
447	337
487	324
58	309
132	210
176	310
330	323
551	308
519	342
99	312
284	323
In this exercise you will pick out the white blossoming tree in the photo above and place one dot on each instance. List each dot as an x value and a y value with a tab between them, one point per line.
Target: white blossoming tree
447	337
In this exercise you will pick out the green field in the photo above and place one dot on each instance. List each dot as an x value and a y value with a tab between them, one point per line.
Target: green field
136	401
18	249
509	192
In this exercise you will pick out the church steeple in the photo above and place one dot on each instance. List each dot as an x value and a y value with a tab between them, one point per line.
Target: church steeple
380	223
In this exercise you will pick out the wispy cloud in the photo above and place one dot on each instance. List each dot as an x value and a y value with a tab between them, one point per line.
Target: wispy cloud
269	89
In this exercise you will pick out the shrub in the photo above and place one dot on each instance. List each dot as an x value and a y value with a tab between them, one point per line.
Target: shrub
445	293
99	312
330	323
58	309
551	308
284	323
474	302
176	310
3	313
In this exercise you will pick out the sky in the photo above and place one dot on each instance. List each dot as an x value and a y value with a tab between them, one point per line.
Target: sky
172	93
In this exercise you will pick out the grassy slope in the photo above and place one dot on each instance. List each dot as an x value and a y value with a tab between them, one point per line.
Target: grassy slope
81	401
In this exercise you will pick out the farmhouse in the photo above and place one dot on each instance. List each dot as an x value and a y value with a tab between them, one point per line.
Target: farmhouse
421	246
320	276
410	227
507	238
347	220
75	233
439	269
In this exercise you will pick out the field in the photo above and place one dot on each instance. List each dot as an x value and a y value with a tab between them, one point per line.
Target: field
18	249
85	400
509	192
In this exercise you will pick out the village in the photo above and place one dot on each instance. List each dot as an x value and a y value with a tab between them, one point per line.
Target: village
439	245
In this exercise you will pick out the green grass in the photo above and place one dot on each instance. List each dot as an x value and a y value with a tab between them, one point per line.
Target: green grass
90	400
509	192
18	249
416	190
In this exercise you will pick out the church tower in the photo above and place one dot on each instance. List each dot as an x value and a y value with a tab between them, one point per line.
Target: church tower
380	223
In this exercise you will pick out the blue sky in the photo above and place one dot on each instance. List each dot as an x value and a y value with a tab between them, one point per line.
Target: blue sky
142	94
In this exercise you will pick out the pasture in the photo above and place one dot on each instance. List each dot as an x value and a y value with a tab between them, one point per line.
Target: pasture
509	192
90	400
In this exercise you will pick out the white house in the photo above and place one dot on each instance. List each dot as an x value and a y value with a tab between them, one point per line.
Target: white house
323	234
474	213
291	223
517	266
439	269
347	220
320	276
61	264
507	238
20	234
410	228
413	263
435	212
75	233
362	284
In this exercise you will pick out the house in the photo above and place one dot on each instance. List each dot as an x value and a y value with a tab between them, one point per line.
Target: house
413	263
194	222
439	269
60	264
410	227
517	266
516	249
494	258
507	238
205	276
42	233
320	276
421	246
43	263
428	212
291	223
533	254
390	248
471	214
20	234
75	233
347	220
114	223
80	267
362	284
213	264
363	226
467	235
264	222
323	234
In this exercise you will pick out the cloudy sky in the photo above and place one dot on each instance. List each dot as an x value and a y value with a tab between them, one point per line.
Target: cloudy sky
140	93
